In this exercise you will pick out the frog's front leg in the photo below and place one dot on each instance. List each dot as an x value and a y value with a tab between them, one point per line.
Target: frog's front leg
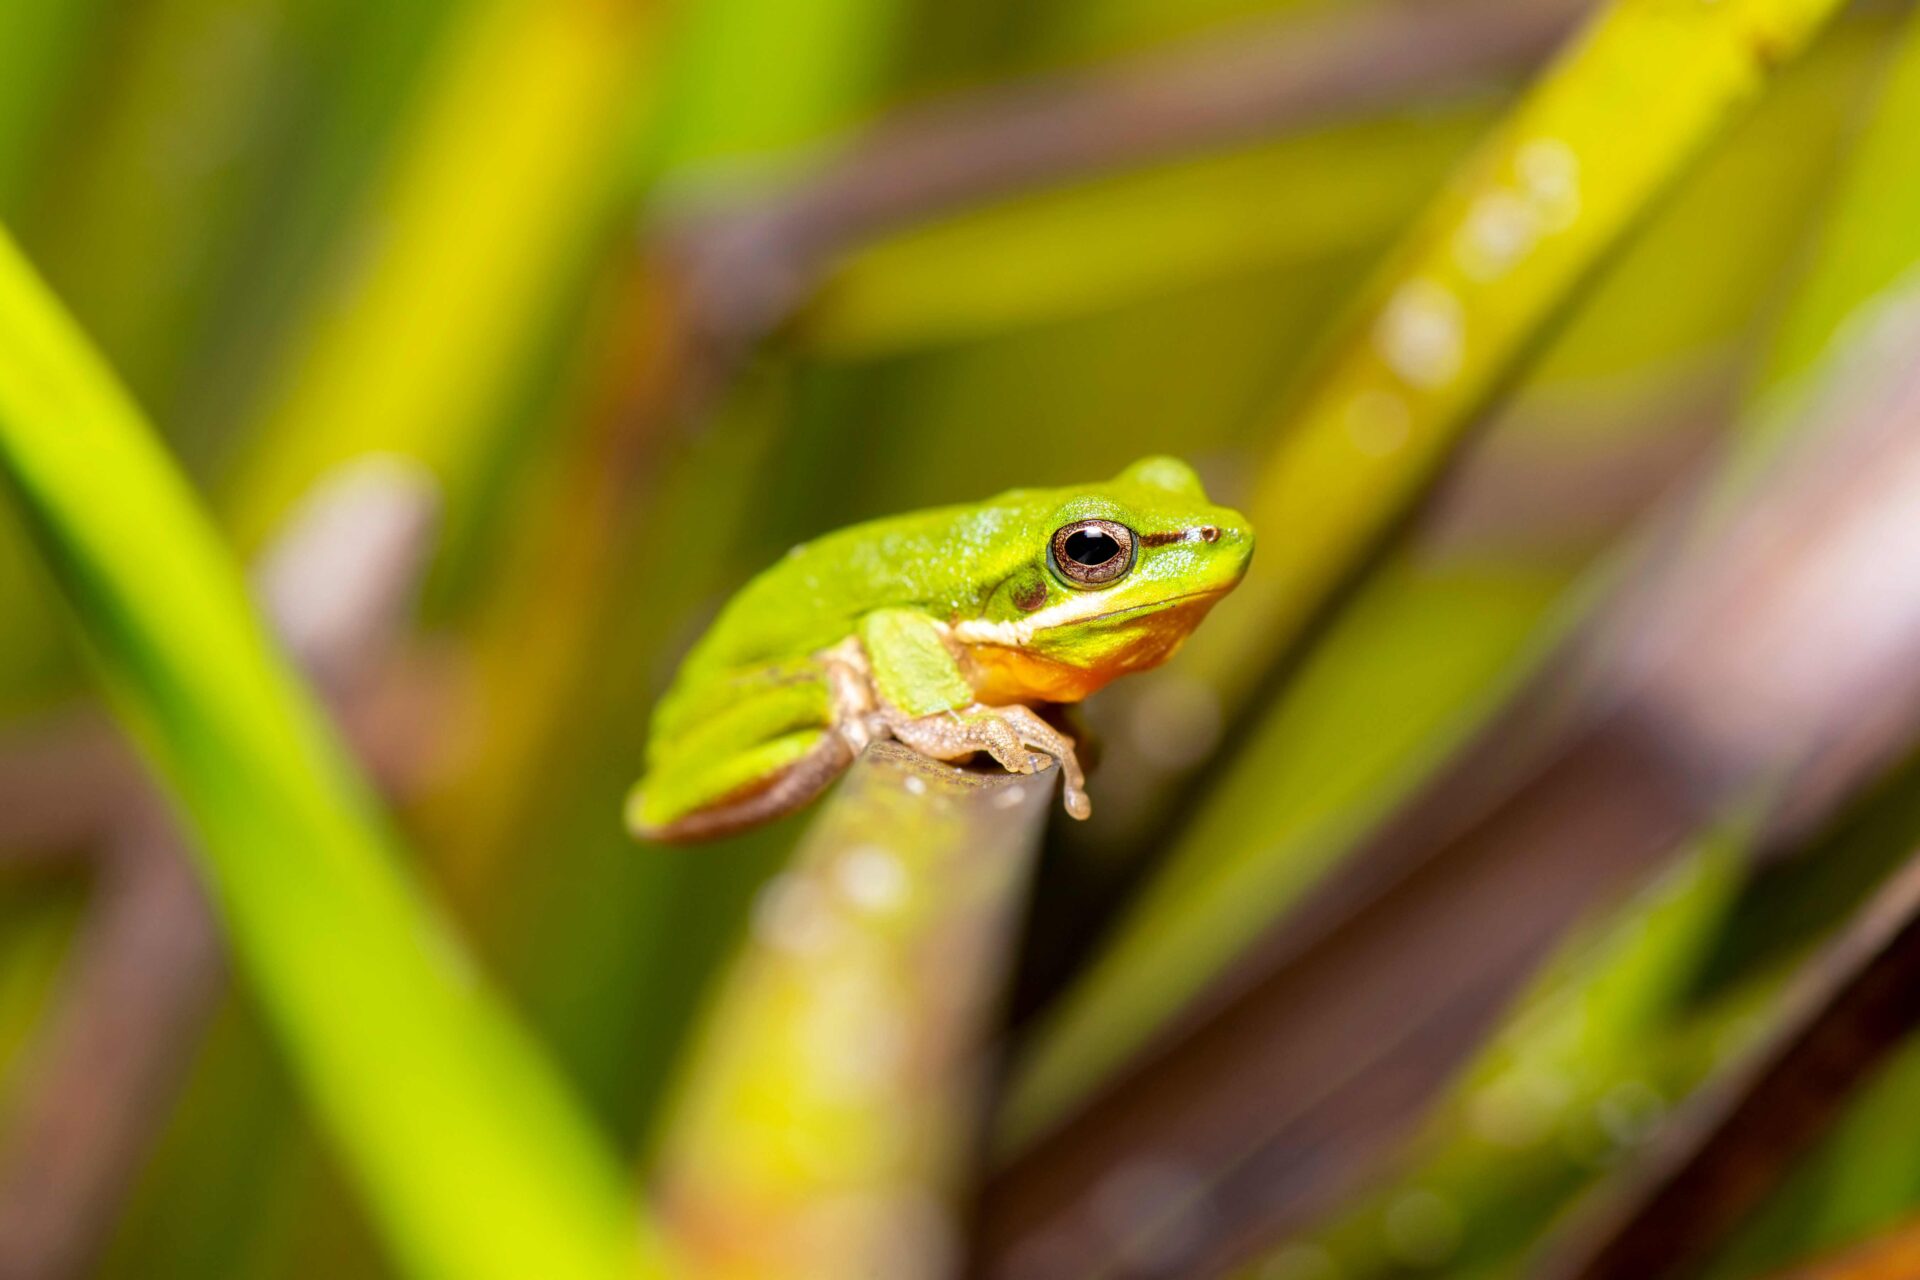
924	700
1004	733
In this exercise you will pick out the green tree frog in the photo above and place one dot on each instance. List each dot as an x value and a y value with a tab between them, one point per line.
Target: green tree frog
943	630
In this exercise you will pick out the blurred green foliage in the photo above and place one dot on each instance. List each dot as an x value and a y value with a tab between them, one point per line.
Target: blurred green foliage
1452	628
399	1047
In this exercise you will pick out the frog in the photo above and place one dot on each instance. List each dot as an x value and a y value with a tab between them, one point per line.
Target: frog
954	631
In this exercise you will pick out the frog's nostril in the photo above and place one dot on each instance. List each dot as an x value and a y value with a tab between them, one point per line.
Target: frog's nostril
1209	533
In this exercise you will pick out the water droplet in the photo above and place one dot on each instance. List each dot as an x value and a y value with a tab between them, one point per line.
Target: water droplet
1422	333
1498	232
1549	172
871	878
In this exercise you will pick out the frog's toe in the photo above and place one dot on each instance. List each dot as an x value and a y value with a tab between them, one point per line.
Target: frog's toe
1037	733
1017	739
1004	745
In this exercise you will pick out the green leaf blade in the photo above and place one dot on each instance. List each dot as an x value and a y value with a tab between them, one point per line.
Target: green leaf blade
473	1158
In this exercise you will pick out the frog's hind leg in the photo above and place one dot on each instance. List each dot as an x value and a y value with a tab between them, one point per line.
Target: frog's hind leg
785	737
755	786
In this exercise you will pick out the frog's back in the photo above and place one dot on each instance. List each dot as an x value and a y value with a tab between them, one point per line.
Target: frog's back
748	727
815	596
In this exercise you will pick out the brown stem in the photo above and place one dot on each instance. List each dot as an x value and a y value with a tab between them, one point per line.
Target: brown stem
873	966
1733	1144
750	267
1302	1067
63	787
146	970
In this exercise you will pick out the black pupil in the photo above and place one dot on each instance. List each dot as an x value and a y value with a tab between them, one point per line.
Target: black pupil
1091	547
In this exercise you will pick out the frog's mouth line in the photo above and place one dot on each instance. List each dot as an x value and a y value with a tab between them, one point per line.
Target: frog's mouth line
1154	606
1020	633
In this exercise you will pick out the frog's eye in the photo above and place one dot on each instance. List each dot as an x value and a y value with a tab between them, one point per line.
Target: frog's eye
1092	553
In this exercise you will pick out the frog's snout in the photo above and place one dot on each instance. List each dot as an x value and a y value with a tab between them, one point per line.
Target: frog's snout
1233	544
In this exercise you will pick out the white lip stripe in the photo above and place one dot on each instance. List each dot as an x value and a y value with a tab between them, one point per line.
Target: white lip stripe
1018	633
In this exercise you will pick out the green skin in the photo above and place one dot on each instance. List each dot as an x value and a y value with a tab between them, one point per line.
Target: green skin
942	629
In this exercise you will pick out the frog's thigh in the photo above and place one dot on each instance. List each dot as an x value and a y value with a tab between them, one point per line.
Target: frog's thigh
912	670
757	711
727	795
769	752
795	688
